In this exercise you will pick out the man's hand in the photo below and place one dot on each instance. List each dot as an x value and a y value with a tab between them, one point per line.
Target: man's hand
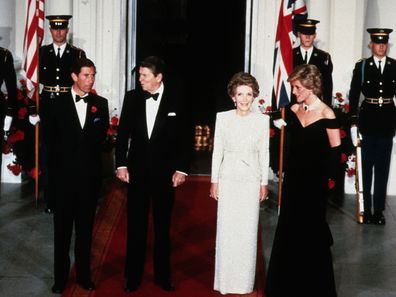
123	174
354	135
34	119
279	123
7	123
178	178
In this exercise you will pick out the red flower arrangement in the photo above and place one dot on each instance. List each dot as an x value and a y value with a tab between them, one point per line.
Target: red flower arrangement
94	109
20	137
111	137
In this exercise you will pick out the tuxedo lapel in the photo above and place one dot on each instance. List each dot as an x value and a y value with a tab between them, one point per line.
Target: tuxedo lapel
142	116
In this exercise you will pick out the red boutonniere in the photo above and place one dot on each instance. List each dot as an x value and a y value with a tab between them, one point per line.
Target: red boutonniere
331	184
94	109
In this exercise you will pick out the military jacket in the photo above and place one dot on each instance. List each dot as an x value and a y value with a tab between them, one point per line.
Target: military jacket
373	119
7	76
55	71
322	60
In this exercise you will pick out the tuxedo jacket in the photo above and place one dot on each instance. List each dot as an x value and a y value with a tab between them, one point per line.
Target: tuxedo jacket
168	149
75	151
373	119
322	60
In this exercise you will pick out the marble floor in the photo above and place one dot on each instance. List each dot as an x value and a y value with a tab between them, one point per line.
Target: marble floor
364	255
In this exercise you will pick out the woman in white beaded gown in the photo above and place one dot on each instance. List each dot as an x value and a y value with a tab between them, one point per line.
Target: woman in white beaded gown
239	182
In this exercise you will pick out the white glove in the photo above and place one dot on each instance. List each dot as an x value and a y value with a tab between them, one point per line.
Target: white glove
34	119
279	123
7	123
354	135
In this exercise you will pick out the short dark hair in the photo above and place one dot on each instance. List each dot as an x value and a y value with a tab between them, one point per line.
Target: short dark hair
243	79
309	76
154	63
80	63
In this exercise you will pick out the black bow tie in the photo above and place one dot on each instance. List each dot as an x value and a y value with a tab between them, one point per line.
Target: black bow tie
148	95
78	98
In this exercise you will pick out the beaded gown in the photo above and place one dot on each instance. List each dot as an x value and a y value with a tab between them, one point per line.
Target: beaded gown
239	165
301	261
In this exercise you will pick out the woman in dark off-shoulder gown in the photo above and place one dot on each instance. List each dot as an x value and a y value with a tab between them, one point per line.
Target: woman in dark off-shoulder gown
301	260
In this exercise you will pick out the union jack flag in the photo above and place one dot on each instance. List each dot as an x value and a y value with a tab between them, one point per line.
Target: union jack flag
283	55
34	33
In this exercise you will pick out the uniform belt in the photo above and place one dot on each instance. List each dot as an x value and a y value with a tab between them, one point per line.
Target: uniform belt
56	89
379	101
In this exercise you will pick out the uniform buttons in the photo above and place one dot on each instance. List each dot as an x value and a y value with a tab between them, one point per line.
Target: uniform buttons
57	69
57	94
57	77
380	83
380	91
368	81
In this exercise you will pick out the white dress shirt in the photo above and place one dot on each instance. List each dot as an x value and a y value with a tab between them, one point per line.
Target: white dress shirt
383	62
309	53
152	109
62	49
81	107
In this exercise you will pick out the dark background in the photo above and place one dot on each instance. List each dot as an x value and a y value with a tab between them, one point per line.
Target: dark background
203	45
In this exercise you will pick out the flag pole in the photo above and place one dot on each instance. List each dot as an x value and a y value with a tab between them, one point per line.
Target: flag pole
282	139
37	126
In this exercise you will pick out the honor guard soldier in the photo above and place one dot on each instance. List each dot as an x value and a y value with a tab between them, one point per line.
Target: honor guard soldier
307	53
7	106
375	79
56	61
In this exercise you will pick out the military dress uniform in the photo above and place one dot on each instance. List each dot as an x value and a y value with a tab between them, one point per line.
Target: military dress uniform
319	58
376	120
322	60
8	76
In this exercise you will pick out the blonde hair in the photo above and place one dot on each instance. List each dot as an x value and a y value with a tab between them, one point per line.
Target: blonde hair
309	76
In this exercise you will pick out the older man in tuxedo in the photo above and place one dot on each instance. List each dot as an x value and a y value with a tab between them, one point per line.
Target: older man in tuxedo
152	156
78	126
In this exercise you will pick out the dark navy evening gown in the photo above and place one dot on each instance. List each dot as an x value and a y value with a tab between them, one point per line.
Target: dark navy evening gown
301	261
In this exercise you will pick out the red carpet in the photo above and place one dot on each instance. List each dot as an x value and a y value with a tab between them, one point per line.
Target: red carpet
193	243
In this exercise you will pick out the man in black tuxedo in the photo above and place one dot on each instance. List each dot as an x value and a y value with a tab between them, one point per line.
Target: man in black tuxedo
56	61
375	79
77	127
152	156
307	53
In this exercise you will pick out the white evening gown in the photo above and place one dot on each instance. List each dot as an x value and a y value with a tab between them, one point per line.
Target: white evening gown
240	165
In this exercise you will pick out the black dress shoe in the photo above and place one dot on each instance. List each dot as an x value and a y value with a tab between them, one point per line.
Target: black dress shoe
57	289
87	285
166	286
367	218
379	218
131	286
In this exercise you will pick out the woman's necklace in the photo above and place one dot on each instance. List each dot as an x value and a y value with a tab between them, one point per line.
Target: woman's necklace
312	106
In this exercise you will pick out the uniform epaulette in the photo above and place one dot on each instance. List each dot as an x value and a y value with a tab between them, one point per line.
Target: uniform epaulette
361	60
80	51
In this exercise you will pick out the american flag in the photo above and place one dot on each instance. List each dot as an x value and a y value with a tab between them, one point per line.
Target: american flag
34	32
283	56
